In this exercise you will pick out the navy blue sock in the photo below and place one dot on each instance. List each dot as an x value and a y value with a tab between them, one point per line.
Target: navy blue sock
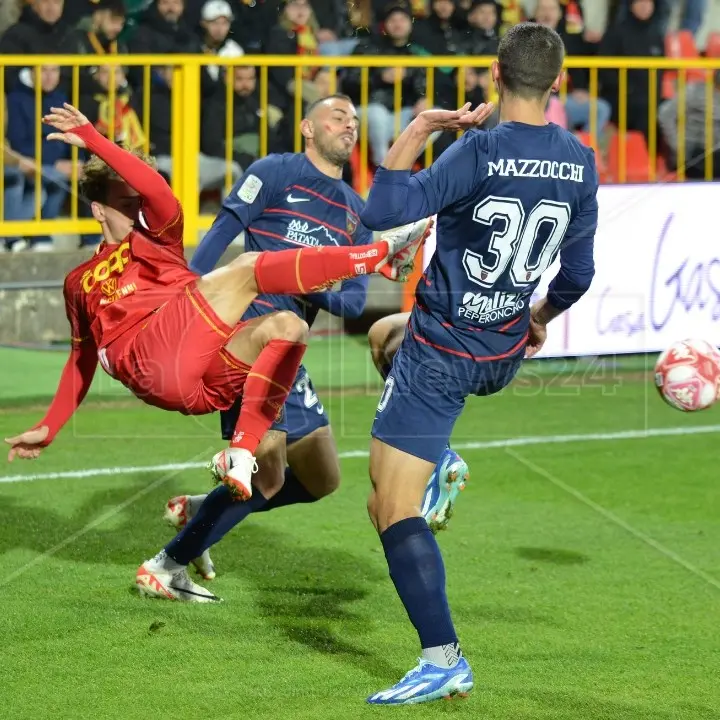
292	492
218	514
417	570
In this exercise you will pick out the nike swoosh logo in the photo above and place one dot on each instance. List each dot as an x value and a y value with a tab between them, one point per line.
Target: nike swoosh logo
292	199
191	592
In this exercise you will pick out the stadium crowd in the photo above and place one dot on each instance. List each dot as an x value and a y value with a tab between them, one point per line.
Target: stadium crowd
322	28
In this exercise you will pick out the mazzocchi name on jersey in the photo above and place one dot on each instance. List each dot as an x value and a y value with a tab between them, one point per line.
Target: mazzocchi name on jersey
486	309
537	169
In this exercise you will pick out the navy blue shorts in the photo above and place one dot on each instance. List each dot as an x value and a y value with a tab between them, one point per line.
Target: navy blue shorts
303	412
425	393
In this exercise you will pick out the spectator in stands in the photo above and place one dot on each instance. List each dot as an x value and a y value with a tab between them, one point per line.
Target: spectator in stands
211	170
98	33
95	105
695	141
691	18
39	31
246	118
17	204
637	36
381	109
293	35
438	33
162	31
577	103
54	156
335	34
9	13
216	20
481	37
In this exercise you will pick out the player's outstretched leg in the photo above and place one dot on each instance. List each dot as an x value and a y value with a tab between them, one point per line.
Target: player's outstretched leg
178	513
163	577
315	269
451	474
273	347
218	513
418	573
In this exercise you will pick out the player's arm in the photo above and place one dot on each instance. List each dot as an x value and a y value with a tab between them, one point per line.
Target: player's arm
161	214
248	199
348	301
397	197
75	381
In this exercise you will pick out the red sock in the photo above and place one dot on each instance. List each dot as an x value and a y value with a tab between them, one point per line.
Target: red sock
266	389
298	272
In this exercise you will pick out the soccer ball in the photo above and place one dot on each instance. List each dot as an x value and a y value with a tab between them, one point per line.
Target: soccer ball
687	375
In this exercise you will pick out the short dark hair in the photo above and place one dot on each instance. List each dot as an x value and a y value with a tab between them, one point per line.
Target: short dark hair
116	7
530	58
320	101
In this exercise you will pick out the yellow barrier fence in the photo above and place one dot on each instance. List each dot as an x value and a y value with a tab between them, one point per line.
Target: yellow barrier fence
186	108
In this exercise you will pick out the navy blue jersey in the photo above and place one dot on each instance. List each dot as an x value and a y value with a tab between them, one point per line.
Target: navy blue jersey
283	202
507	202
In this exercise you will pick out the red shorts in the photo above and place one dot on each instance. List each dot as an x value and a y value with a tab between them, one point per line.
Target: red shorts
176	360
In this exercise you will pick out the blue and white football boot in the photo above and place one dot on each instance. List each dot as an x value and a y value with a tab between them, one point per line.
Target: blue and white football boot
447	481
427	682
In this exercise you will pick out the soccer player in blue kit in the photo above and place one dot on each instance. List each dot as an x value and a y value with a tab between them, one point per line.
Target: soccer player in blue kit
507	202
283	201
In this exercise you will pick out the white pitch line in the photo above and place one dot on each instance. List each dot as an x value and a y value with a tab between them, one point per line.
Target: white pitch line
612	517
487	445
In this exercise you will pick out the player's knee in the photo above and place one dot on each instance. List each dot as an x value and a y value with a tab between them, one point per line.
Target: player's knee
372	508
271	462
329	484
284	325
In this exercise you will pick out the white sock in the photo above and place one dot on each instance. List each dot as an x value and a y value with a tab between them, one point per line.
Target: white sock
194	503
444	656
162	561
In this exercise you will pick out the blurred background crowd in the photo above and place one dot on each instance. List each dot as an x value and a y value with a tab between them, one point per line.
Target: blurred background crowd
326	28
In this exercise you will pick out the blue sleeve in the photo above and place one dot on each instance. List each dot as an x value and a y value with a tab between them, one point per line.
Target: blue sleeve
577	263
397	197
250	196
349	301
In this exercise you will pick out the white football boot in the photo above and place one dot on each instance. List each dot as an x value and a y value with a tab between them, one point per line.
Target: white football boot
234	468
162	577
403	244
178	512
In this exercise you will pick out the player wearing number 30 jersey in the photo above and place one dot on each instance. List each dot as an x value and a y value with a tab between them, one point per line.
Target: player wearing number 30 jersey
508	201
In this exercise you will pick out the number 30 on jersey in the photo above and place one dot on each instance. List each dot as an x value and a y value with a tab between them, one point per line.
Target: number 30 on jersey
513	244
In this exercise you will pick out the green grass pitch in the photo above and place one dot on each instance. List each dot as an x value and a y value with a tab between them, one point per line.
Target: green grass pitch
583	562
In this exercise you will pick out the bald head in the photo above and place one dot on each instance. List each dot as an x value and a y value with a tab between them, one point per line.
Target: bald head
330	128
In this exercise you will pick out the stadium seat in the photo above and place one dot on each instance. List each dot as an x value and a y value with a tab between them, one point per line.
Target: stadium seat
637	159
680	45
586	139
712	50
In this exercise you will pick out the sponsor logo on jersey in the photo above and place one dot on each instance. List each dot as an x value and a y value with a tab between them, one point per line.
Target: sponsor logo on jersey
351	225
101	272
302	232
250	189
486	309
537	169
117	293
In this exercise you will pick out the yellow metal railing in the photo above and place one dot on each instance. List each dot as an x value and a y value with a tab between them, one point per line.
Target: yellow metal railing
186	104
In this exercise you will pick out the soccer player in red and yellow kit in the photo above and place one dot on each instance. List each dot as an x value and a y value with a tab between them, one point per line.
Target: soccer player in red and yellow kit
173	338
